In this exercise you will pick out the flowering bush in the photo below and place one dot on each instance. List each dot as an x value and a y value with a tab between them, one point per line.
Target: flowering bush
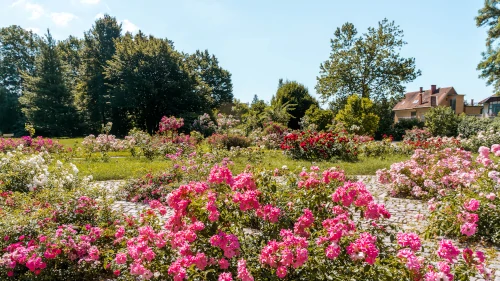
204	125
29	172
272	135
170	124
462	190
252	226
228	141
427	174
29	144
322	145
226	122
384	148
103	144
422	138
483	138
149	187
470	213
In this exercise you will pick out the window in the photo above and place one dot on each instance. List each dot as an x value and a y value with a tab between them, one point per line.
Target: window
494	108
414	114
415	101
453	104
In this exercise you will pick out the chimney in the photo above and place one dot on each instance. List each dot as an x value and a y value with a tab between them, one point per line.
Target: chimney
420	97
421	89
433	89
472	102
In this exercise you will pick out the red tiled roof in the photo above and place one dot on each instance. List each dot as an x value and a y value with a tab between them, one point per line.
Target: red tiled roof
411	99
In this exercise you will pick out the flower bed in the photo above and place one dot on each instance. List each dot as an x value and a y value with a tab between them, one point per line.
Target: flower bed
315	225
322	145
462	191
29	144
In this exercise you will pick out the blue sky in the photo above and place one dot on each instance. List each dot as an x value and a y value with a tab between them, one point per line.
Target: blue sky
261	41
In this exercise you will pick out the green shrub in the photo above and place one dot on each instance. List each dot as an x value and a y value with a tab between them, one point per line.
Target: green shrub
442	121
358	116
471	125
399	128
228	141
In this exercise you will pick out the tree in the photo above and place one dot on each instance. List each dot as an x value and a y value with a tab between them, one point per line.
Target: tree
278	113
99	47
358	116
368	65
297	95
489	16
18	49
218	80
47	102
321	118
149	79
442	121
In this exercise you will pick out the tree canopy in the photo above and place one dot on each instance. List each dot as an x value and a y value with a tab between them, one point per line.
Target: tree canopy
297	96
367	64
489	16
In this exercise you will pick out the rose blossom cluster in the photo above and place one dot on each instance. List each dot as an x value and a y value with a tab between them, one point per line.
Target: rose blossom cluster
427	174
170	124
282	255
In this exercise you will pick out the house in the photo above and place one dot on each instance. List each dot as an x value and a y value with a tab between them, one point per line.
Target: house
491	106
416	104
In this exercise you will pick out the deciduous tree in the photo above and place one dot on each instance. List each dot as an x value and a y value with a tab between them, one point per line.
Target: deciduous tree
367	64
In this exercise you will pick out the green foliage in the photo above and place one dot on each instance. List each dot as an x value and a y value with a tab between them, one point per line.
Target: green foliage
47	101
94	96
442	121
469	126
18	49
296	94
399	129
217	79
489	17
321	118
358	116
278	113
228	141
149	80
368	65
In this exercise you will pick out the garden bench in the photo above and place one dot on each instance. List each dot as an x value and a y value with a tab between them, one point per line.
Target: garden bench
8	135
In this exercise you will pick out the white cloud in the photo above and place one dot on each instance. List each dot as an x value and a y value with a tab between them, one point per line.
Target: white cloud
33	29
99	15
91	2
36	10
128	26
62	19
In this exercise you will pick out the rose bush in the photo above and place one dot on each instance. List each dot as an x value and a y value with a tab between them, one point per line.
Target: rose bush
462	191
30	144
23	172
316	225
322	145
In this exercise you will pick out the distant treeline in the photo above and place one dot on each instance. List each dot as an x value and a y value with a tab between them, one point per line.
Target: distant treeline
72	87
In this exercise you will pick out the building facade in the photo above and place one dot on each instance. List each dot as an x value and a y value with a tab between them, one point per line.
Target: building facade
416	104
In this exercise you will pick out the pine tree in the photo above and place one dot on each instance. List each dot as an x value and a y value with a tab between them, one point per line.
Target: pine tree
99	47
47	101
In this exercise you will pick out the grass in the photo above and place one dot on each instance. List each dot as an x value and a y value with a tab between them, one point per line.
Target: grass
126	167
364	166
120	168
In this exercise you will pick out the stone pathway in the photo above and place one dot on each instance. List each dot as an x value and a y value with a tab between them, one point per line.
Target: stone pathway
403	211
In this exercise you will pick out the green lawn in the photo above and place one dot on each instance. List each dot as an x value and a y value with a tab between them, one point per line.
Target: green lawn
126	167
120	168
364	166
